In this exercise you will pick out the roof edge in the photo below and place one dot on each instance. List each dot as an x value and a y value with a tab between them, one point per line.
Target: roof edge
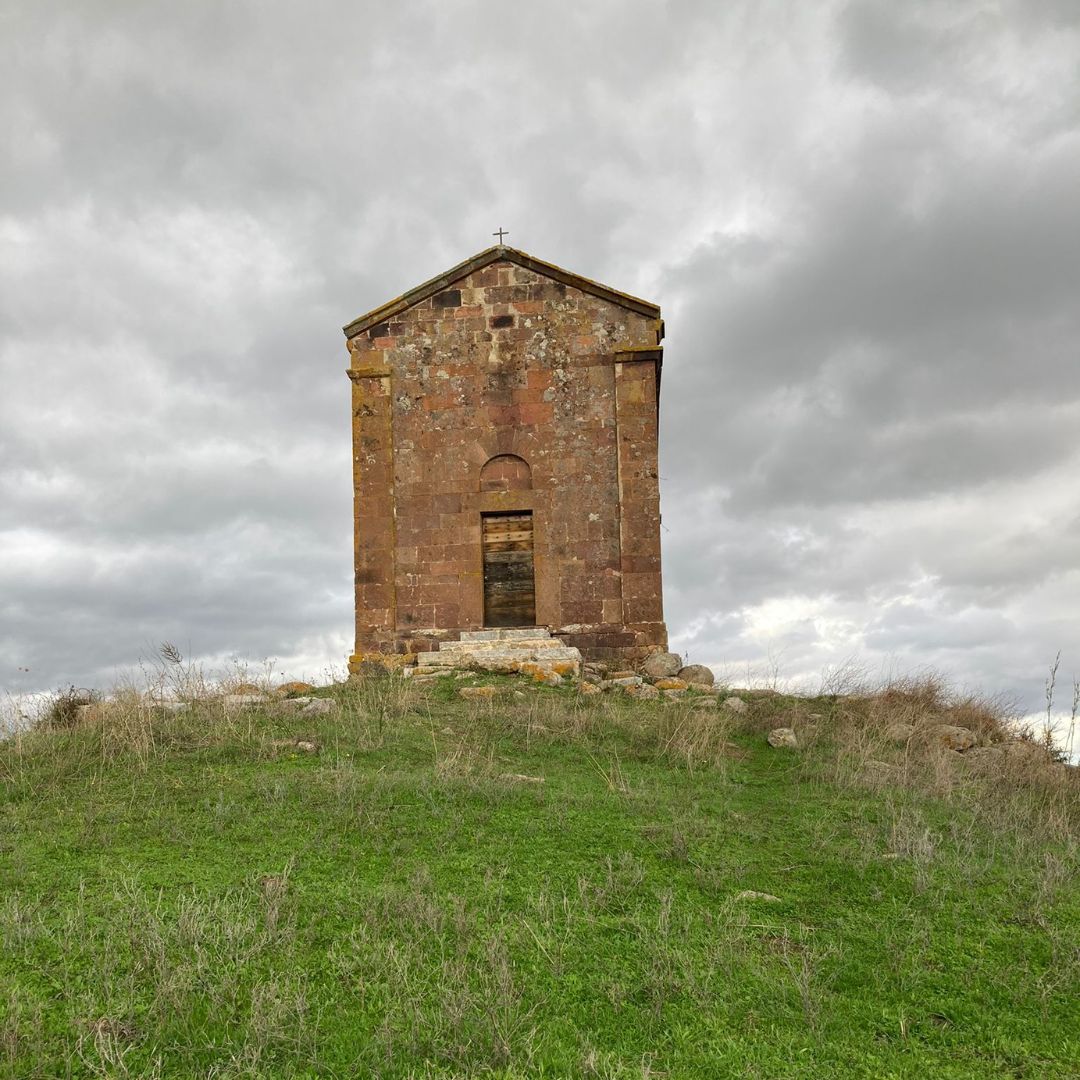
485	258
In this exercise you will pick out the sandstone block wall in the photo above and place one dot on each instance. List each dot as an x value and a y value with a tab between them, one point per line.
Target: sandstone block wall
507	391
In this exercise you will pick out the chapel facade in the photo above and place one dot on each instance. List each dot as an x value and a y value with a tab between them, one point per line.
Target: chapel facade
504	420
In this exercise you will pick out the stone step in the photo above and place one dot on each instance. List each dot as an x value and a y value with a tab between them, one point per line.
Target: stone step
516	633
478	657
483	646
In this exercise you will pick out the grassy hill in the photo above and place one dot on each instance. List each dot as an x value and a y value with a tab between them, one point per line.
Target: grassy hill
540	885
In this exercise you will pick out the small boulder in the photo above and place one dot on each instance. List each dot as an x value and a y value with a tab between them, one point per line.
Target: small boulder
1016	751
246	689
661	664
293	689
752	894
521	778
697	673
305	746
481	693
371	669
783	737
642	691
625	679
236	702
736	705
670	684
540	673
899	733
589	689
673	695
614	676
318	707
952	737
290	705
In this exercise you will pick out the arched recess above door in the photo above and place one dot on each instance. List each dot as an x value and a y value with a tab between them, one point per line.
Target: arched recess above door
506	472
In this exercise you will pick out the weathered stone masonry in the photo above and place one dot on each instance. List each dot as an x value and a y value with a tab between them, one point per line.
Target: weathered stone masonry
507	385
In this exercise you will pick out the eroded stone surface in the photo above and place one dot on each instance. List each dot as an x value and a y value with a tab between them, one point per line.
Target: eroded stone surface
477	692
899	733
236	702
661	665
952	737
670	684
697	673
294	687
783	737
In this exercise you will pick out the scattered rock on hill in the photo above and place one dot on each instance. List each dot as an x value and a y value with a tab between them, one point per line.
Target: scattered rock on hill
783	737
477	692
589	689
427	678
318	707
670	684
642	691
697	673
953	737
291	689
662	664
624	678
246	689
751	894
305	746
521	778
735	705
371	669
899	733
236	702
540	673
1017	750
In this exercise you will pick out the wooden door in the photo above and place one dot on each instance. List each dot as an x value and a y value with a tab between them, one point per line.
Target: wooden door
509	591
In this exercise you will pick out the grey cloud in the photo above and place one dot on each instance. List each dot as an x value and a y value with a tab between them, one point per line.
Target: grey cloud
858	217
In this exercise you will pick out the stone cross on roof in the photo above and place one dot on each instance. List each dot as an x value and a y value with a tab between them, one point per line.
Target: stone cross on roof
500	233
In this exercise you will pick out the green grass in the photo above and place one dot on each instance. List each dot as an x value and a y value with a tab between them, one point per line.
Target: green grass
181	898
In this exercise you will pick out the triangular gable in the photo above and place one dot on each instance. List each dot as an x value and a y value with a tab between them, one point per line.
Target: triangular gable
478	262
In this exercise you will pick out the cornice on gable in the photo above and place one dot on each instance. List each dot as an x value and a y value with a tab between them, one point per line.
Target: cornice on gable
485	258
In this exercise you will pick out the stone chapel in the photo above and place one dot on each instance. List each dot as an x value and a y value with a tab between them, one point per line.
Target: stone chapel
504	420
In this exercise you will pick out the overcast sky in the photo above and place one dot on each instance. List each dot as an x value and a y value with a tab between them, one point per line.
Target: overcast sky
862	221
